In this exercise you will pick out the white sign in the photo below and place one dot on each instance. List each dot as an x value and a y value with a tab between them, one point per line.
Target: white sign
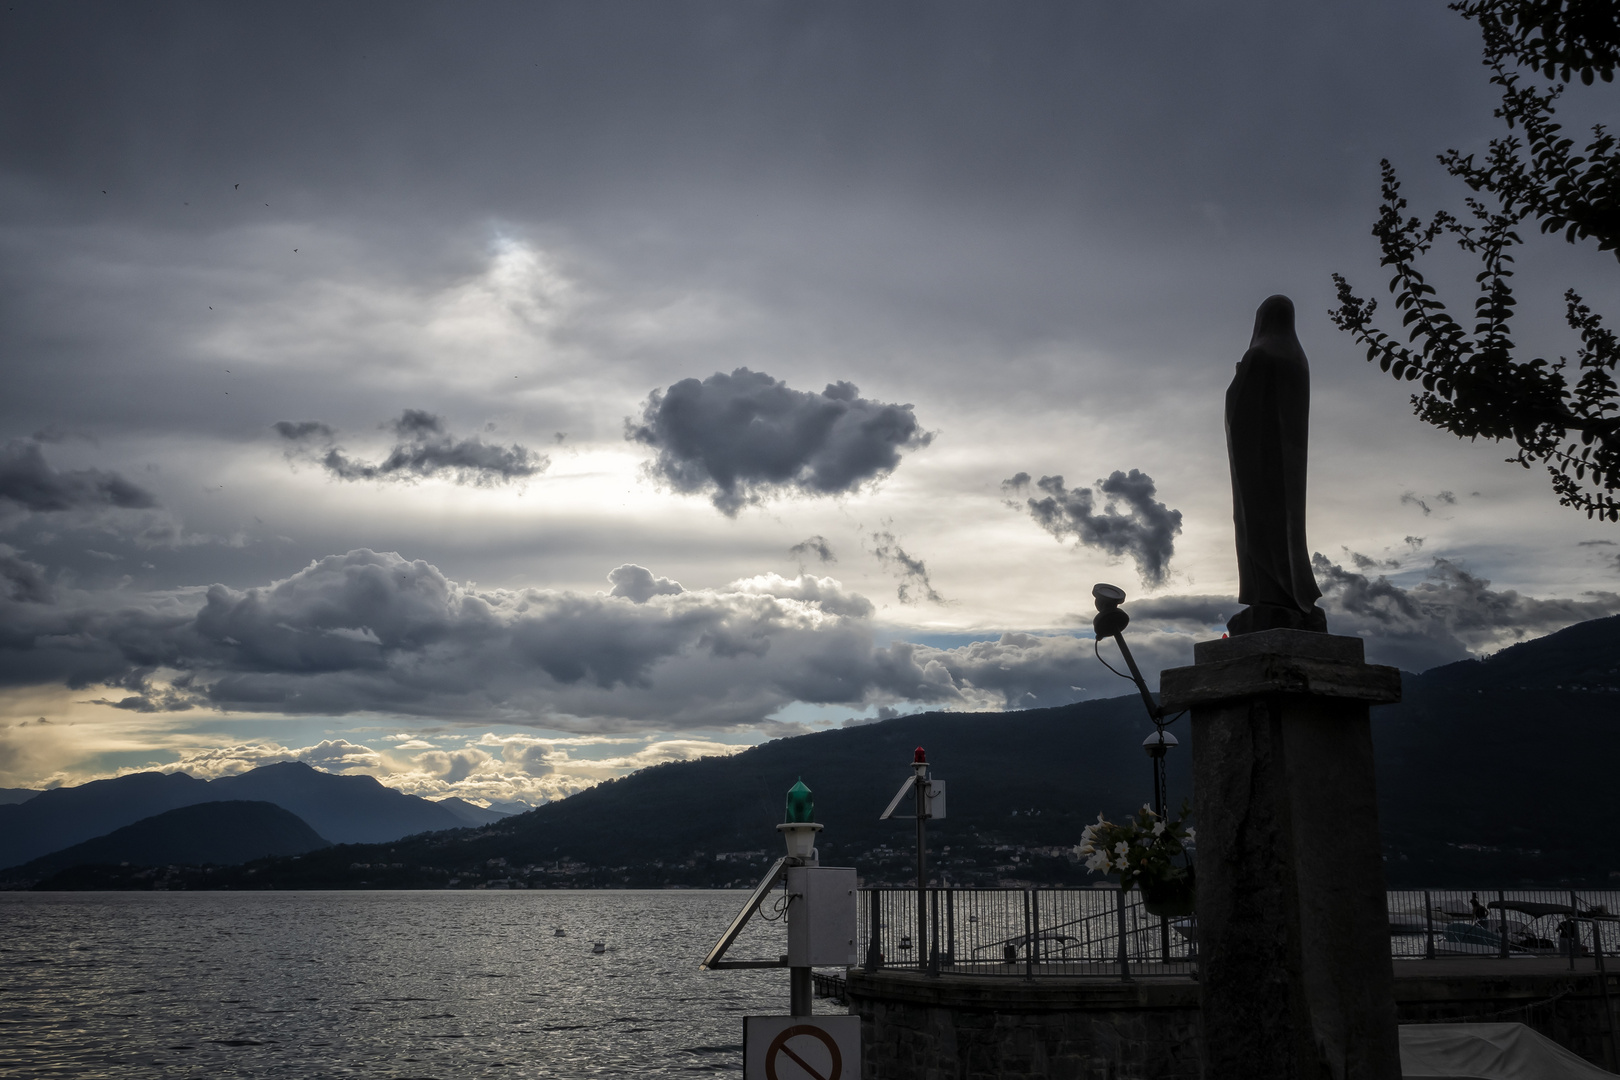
936	800
801	1048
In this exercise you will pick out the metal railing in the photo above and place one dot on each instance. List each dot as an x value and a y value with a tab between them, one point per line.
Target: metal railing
1025	932
1108	932
1505	924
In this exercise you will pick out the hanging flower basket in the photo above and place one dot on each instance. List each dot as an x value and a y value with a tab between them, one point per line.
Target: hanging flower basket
1170	898
1142	851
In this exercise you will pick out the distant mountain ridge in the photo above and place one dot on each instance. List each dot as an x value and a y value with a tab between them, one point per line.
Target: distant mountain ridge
473	814
217	833
1493	772
343	809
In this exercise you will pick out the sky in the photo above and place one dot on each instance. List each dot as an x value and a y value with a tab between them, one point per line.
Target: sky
497	398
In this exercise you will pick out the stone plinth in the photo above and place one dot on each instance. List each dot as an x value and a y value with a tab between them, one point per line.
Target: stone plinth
1292	926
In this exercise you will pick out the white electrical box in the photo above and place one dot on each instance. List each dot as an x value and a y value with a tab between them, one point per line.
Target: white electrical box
821	916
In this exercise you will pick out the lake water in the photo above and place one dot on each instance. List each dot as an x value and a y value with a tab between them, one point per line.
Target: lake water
450	985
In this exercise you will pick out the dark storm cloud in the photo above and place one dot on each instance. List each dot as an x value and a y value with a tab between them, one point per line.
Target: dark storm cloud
22	579
374	632
1187	611
424	449
816	545
912	571
747	437
1449	616
28	481
1145	530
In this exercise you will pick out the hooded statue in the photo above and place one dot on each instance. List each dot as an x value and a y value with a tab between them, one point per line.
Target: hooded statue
1268	408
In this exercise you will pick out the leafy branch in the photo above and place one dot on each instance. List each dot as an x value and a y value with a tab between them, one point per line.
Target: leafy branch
1471	383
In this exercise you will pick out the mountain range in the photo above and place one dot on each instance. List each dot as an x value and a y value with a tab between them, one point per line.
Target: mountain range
1491	772
343	809
214	833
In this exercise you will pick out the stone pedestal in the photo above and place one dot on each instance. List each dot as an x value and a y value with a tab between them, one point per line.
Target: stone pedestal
1293	932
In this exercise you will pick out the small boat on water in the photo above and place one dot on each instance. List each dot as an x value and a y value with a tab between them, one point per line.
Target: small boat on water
559	932
599	947
1529	927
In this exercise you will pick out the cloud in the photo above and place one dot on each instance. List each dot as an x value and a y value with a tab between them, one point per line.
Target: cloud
638	584
910	570
333	755
29	482
1184	611
1367	562
1410	499
816	545
826	593
374	632
22	580
369	632
1146	530
747	437
424	449
1449	616
453	766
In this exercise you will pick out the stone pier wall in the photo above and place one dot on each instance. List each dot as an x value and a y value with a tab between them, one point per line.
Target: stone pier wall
967	1028
997	1028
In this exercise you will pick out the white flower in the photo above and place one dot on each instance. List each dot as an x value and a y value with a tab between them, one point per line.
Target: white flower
1148	810
1190	836
1122	849
1158	828
1098	861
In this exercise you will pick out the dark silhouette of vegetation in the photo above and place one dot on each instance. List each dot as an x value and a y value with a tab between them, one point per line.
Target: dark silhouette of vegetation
1473	384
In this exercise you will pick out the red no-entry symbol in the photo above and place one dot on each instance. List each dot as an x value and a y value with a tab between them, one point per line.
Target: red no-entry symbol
782	1048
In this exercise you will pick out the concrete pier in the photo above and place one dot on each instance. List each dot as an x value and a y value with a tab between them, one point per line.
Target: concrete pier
1293	931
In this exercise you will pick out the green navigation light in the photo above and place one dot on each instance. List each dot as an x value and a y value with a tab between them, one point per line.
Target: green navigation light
800	808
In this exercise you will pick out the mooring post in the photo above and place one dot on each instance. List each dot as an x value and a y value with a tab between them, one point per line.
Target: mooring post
1293	922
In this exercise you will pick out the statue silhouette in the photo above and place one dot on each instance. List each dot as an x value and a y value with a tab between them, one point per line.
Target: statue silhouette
1268	409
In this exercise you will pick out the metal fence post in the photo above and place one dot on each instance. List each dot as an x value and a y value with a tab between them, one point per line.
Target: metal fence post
1501	904
1124	956
1029	942
1603	983
874	919
1575	930
933	932
1428	926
